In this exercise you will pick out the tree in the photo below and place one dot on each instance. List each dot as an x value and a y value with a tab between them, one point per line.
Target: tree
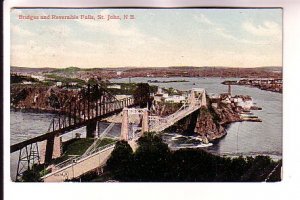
142	94
151	159
120	162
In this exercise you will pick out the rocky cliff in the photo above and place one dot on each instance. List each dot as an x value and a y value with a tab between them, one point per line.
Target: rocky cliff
211	122
39	98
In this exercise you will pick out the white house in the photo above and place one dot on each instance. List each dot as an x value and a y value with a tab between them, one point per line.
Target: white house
247	104
175	99
58	83
119	73
26	82
40	78
114	86
73	83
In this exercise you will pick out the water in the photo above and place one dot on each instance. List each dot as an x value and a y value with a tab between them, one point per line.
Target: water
24	125
245	138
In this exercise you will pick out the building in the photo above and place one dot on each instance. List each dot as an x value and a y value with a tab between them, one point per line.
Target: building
40	78
58	84
73	83
175	99
27	82
158	97
123	96
114	86
119	73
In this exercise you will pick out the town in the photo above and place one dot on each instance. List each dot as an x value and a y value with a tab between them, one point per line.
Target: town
269	84
155	109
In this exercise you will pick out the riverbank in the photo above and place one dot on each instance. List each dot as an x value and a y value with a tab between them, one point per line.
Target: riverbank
211	122
171	81
273	85
40	98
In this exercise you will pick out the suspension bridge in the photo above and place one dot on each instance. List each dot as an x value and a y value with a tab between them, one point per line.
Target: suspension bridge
90	105
81	113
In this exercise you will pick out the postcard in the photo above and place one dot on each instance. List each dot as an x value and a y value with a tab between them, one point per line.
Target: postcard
146	94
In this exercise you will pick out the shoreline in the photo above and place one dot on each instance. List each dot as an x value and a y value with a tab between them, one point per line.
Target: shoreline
33	110
270	88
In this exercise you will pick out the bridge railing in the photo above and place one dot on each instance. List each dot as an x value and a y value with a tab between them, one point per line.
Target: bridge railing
81	114
76	158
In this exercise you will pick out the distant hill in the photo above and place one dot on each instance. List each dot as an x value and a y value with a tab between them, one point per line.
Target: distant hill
172	71
14	69
73	69
271	68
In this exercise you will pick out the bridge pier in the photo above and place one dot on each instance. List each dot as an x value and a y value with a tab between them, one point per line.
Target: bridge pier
124	128
51	148
91	129
76	112
145	121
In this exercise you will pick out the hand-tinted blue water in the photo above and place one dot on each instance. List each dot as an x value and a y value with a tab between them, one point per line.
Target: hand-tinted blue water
247	138
25	125
242	138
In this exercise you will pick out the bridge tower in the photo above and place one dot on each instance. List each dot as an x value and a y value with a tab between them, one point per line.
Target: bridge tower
143	113
203	99
145	122
125	126
193	98
198	96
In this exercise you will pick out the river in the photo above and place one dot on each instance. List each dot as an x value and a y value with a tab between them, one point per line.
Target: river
245	138
24	125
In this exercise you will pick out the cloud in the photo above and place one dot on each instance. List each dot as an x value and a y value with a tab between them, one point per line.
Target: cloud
268	28
203	19
216	28
61	30
20	31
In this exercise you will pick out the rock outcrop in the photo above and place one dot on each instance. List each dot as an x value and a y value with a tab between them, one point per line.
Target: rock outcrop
39	98
207	127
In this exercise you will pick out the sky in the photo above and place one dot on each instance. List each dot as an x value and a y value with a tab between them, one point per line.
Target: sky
154	38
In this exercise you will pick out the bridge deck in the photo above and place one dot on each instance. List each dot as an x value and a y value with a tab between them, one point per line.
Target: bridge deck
169	121
20	145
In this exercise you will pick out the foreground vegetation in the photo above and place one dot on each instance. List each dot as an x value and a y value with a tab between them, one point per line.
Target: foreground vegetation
73	147
154	162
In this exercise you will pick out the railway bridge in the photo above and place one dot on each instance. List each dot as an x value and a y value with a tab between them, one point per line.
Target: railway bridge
92	104
87	111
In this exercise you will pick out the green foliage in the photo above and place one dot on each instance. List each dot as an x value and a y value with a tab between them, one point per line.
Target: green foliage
93	81
120	161
171	91
128	88
16	97
77	146
65	80
67	70
154	162
142	94
259	168
34	174
14	78
151	159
